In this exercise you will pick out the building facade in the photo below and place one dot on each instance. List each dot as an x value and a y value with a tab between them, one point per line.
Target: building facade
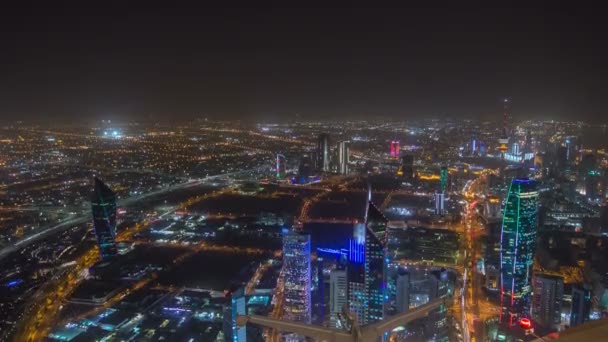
103	205
297	278
517	248
547	300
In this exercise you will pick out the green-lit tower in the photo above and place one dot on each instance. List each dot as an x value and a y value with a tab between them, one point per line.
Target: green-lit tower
517	247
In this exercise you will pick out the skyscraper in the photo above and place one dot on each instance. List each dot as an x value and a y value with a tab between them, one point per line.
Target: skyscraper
581	305
235	307
443	178
395	149
338	295
357	297
517	248
343	157
439	203
547	300
103	205
280	167
374	279
323	152
297	275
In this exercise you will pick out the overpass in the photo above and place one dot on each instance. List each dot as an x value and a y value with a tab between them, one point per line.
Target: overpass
366	333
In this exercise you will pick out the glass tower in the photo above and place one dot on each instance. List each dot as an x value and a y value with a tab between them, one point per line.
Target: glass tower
103	205
517	247
297	275
323	152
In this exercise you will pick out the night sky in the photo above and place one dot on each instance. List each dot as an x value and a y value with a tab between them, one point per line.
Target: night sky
267	63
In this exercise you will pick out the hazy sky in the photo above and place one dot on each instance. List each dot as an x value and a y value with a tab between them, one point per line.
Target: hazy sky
134	62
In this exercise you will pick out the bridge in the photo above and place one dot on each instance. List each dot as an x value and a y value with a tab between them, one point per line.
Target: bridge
371	332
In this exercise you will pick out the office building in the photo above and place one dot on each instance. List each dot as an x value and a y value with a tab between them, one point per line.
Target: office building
323	152
366	281
439	203
581	305
403	292
547	297
297	277
338	296
517	248
343	157
103	205
357	297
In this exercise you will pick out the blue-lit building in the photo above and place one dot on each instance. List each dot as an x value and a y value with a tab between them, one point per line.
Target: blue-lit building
237	307
366	267
297	278
375	236
103	205
517	248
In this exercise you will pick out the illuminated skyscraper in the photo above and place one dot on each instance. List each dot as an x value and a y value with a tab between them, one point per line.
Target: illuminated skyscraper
366	283
232	331
357	297
103	205
395	149
517	247
439	203
443	178
323	152
343	157
280	167
297	275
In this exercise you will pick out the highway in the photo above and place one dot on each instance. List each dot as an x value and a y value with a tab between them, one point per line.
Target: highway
81	219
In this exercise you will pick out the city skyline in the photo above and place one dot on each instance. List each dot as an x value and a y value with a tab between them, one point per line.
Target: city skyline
267	174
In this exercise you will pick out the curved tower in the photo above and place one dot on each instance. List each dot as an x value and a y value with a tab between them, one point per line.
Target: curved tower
517	247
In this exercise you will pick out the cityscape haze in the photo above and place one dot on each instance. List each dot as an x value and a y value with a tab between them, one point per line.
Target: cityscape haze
303	174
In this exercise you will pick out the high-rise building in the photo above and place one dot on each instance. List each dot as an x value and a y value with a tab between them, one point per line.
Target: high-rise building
374	279
592	185
357	297
403	292
439	203
338	296
443	178
581	305
547	300
343	157
395	149
281	167
517	248
297	277
103	205
323	152
305	170
236	307
366	267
